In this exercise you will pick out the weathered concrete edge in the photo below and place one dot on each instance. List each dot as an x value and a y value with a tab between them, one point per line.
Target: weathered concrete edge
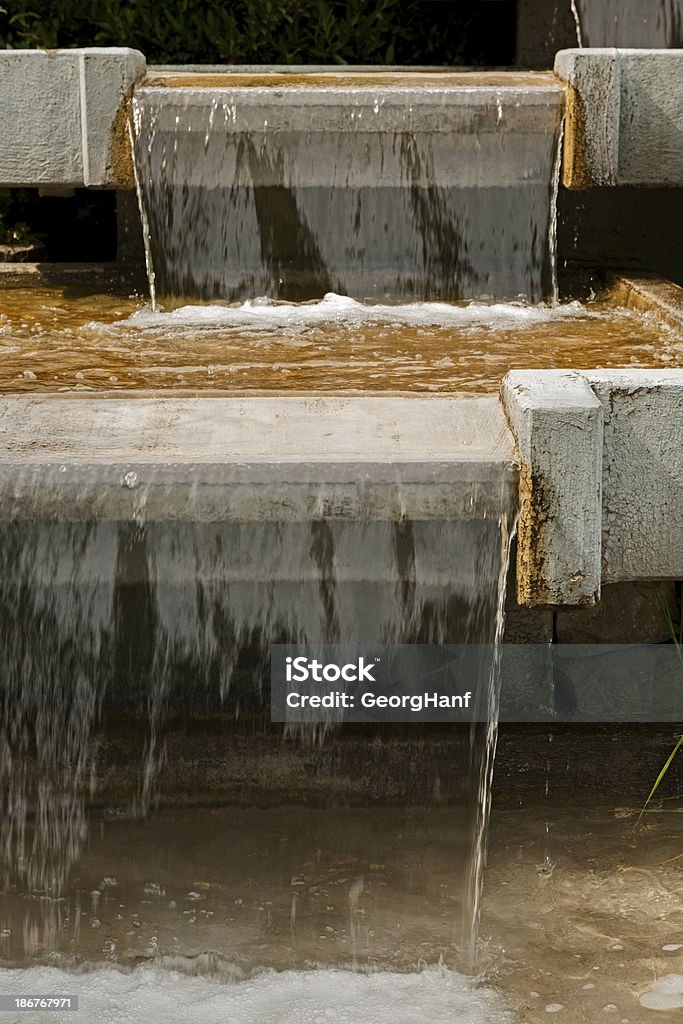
624	120
65	116
558	425
642	504
648	293
591	130
601	479
316	428
282	458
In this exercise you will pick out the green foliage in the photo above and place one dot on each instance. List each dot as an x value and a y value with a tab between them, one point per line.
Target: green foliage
673	618
13	227
252	31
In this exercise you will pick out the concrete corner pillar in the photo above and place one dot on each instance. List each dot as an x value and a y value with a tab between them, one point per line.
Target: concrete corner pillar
64	117
624	119
642	513
558	423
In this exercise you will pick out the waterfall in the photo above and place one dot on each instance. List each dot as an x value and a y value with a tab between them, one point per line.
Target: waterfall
168	612
176	618
656	24
437	191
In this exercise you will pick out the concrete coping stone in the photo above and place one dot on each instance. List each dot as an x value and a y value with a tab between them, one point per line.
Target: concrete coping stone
254	458
624	120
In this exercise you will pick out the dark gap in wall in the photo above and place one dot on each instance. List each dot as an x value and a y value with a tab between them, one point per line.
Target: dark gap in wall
79	226
627	228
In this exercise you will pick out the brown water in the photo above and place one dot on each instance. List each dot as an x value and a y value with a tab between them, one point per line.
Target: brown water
53	339
578	921
351	79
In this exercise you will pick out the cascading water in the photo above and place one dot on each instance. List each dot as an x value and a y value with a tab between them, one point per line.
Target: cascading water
166	619
629	23
56	602
373	189
376	189
294	186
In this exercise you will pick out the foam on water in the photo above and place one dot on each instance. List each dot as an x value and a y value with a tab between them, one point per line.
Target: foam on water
50	342
332	308
110	996
666	993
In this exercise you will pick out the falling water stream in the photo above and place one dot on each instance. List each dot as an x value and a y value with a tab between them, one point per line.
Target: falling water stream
168	619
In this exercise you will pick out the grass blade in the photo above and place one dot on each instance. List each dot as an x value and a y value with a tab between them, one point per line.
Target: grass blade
661	775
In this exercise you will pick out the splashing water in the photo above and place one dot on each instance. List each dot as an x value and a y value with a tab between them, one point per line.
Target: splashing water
289	997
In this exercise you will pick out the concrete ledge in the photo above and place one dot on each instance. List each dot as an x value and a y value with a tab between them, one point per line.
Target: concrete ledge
63	122
120	275
648	293
624	121
601	480
557	421
255	458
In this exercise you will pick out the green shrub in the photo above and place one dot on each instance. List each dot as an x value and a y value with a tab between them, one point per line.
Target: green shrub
268	31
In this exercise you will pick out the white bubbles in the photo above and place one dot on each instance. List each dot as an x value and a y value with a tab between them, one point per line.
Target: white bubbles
265	313
665	994
290	997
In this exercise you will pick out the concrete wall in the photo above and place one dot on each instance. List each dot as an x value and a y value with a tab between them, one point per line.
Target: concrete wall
601	480
624	120
63	118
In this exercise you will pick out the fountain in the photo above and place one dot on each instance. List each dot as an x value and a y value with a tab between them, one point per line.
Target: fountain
305	438
292	186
